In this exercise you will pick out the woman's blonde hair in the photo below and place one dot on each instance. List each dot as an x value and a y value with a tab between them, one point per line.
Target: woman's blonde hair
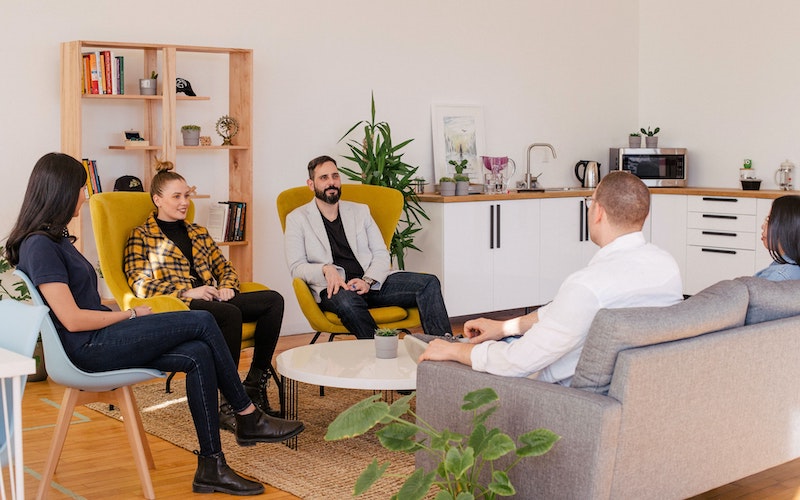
164	175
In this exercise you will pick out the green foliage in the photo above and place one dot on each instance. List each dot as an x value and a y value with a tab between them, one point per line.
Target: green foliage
459	166
190	127
461	457
635	134
153	75
461	177
446	179
650	133
380	163
20	291
386	332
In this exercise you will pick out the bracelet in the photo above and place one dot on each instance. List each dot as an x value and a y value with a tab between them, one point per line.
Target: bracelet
133	313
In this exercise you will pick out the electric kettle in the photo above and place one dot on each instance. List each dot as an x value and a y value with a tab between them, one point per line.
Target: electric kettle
590	175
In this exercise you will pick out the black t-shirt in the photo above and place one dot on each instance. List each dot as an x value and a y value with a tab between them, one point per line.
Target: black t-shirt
48	261
342	253
177	232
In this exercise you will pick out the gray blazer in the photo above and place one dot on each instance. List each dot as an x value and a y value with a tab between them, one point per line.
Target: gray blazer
307	247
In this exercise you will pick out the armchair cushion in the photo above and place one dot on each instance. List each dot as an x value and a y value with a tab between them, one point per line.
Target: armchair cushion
771	300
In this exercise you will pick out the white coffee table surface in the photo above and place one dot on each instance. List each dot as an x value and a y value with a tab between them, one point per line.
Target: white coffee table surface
348	364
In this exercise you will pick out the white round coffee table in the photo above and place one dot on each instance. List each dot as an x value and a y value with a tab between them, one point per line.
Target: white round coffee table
347	364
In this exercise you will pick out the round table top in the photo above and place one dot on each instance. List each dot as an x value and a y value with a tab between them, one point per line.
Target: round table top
348	364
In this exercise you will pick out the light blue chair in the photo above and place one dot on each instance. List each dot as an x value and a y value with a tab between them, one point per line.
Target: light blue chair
113	387
19	328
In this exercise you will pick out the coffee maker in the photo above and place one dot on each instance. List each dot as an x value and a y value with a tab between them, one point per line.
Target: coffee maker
784	175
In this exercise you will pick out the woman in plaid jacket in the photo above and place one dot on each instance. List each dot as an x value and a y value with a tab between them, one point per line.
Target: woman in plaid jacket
168	256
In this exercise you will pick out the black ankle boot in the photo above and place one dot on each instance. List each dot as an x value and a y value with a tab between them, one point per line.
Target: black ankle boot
258	427
227	417
213	474
255	384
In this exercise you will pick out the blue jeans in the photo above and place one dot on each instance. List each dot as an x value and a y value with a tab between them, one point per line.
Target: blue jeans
404	289
186	341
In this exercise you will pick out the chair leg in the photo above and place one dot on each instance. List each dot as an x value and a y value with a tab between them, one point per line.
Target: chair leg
168	388
59	436
142	455
316	336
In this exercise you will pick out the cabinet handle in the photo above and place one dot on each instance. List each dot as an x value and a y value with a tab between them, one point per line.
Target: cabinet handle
713	198
491	226
497	234
715	216
586	222
580	226
719	233
718	250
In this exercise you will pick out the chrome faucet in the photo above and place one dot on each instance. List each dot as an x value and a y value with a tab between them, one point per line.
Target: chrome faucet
531	181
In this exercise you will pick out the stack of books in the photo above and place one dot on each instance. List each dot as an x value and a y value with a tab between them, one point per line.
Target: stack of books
103	73
92	178
226	221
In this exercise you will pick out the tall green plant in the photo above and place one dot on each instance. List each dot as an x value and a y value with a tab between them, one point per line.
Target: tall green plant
20	290
380	163
461	458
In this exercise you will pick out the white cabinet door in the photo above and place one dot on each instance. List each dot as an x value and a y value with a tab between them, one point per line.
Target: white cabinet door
515	257
668	226
564	244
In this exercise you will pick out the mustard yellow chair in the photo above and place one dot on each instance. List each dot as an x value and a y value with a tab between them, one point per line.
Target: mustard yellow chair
386	206
114	216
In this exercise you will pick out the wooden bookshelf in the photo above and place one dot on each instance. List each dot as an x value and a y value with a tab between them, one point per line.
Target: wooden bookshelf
163	133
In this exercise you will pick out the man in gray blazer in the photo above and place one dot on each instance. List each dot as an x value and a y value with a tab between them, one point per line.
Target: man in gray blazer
336	247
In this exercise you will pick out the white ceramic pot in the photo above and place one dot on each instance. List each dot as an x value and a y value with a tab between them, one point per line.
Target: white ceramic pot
386	347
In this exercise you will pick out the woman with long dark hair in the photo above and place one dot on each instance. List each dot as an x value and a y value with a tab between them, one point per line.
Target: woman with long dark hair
98	339
780	234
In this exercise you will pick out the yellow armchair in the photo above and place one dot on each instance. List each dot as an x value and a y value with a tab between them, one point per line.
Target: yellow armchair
386	206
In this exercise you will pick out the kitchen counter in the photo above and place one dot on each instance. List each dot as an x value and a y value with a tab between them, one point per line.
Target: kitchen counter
574	193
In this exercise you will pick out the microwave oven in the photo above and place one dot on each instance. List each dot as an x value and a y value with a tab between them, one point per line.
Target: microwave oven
661	167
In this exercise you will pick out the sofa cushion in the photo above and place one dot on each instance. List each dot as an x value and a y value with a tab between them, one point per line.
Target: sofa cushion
720	306
771	300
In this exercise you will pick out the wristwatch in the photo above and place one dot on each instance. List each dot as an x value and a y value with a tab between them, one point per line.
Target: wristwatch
133	313
369	281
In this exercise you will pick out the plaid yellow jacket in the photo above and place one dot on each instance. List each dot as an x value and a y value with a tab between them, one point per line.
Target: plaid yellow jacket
154	265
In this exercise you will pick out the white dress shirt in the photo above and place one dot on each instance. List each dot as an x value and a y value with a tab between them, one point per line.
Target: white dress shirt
628	272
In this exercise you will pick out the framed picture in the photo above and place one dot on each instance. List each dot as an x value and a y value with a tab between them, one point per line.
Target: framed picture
457	135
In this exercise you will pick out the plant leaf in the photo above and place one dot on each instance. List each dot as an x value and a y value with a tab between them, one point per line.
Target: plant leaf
357	419
457	462
417	485
478	398
372	473
399	436
501	485
536	443
498	445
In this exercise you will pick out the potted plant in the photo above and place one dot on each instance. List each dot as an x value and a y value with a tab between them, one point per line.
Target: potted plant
148	86
447	186
386	342
191	135
650	139
461	458
380	162
635	140
462	179
19	291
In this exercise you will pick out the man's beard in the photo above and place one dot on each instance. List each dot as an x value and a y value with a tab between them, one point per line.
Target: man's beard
330	199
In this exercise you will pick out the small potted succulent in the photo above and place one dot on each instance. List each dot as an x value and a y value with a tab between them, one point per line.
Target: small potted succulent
650	139
461	179
191	135
635	140
386	342
447	186
148	86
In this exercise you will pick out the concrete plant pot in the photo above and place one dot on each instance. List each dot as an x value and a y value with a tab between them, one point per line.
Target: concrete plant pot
447	188
148	86
462	188
651	141
386	346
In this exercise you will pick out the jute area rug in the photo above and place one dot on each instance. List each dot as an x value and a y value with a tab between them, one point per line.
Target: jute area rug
318	469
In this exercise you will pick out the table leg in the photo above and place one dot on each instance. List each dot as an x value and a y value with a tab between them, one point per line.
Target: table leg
289	396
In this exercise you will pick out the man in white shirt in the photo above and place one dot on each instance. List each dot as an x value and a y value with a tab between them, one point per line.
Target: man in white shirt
626	272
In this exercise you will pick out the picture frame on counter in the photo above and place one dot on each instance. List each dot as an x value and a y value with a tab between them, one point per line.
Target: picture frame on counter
458	133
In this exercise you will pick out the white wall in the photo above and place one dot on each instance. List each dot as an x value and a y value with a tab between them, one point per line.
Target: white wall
543	71
721	77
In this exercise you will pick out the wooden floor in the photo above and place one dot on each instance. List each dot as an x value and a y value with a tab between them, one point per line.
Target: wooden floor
97	464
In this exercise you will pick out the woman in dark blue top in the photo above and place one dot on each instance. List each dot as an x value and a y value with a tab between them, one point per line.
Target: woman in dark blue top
98	339
780	234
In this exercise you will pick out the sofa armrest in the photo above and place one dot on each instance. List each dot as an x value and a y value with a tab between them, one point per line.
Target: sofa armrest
580	465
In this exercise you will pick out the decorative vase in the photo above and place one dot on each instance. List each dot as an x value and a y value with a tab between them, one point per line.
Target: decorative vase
148	86
634	141
386	346
447	188
191	137
651	141
38	356
462	188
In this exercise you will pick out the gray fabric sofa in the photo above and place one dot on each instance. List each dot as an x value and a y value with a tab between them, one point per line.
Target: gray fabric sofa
665	403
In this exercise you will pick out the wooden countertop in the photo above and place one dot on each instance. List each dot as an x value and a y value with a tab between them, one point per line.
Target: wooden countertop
514	195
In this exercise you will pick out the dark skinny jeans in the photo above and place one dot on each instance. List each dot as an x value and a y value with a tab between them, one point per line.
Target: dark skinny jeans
186	341
404	289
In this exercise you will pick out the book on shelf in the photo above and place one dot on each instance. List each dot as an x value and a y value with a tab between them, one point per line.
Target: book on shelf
92	178
226	221
217	221
103	73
